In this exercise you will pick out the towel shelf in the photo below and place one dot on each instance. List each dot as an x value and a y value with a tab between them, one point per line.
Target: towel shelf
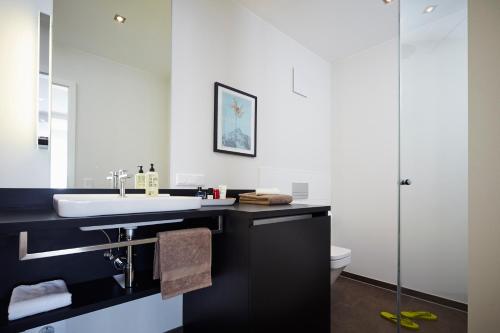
24	255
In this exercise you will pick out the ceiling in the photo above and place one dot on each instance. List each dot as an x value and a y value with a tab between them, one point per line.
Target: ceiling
413	16
447	22
331	28
337	28
143	41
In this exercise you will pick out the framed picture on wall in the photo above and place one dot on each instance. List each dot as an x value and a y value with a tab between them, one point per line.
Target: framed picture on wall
235	121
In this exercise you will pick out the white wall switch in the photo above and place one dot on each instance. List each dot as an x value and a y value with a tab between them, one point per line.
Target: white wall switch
189	179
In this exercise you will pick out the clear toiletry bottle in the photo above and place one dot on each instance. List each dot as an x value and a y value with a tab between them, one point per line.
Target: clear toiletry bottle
152	184
140	179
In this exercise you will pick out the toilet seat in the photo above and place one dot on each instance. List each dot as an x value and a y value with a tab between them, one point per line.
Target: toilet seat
339	257
337	252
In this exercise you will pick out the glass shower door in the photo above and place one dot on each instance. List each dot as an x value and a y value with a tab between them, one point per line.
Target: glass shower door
433	163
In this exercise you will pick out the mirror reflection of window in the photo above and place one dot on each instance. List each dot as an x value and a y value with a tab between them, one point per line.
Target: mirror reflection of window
59	136
43	132
43	110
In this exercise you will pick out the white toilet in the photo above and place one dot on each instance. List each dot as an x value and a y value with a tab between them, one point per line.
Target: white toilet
339	259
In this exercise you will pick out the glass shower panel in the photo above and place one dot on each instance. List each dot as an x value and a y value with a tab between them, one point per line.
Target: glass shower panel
433	157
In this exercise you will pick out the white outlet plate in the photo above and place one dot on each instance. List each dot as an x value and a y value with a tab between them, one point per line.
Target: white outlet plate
189	179
300	190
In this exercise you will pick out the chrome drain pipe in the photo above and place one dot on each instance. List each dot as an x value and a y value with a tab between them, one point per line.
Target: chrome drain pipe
129	266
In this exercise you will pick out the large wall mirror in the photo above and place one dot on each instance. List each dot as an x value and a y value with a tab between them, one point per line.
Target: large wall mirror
104	103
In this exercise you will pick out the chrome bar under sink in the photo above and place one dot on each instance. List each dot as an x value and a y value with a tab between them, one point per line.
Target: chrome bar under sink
24	255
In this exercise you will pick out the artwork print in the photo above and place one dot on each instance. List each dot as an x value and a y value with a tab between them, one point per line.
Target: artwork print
235	121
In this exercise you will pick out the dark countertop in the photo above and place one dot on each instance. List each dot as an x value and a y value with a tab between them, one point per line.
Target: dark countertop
12	221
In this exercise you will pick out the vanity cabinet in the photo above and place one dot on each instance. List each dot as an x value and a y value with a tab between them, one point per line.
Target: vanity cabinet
290	276
269	275
270	265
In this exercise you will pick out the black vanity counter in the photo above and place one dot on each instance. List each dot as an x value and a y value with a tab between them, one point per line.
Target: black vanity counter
249	260
17	220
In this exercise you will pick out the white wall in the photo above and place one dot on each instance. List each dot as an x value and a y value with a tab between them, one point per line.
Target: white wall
434	155
484	165
19	154
223	41
364	160
122	116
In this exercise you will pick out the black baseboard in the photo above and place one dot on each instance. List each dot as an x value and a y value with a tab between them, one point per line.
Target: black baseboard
176	330
408	292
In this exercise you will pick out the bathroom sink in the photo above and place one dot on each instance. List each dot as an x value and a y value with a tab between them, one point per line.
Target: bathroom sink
81	205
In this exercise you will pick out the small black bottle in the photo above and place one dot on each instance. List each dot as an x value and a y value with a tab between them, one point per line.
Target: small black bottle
200	193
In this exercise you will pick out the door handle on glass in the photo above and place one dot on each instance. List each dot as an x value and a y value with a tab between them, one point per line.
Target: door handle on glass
406	182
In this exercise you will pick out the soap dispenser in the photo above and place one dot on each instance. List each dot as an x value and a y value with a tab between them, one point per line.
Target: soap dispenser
140	179
152	184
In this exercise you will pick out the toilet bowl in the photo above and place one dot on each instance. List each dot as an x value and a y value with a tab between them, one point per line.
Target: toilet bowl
339	259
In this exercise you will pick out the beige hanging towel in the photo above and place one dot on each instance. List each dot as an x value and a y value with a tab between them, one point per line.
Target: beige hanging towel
183	261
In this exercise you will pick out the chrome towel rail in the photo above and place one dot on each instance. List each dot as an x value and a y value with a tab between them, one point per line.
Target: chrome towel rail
24	255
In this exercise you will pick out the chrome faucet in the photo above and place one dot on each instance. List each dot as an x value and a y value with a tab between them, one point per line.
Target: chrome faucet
114	179
122	179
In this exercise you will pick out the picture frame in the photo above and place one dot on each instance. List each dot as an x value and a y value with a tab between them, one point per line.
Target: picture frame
235	121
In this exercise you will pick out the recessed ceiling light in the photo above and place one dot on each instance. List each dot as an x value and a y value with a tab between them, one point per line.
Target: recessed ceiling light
120	19
387	1
429	9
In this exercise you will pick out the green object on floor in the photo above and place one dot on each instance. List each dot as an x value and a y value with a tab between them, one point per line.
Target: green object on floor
426	315
405	322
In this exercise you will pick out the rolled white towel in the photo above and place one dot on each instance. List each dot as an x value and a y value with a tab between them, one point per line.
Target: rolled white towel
37	298
271	190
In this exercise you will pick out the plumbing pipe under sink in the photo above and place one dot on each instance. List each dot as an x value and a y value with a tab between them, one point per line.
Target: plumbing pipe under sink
129	267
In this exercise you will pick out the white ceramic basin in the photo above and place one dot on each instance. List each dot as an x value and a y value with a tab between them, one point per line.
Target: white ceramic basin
81	205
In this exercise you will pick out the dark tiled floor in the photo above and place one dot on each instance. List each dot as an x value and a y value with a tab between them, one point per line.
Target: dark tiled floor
356	307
